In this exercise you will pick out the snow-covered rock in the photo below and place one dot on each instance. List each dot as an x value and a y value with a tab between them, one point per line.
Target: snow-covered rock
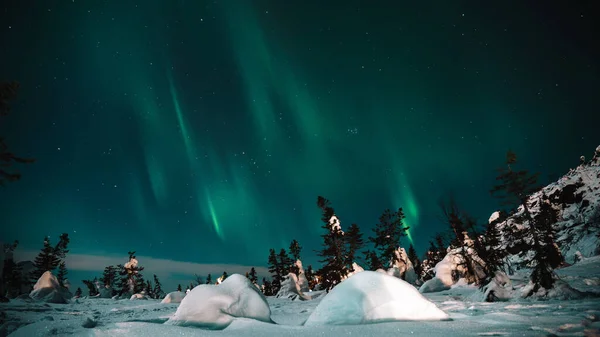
454	264
499	289
47	289
139	296
216	306
371	297
290	288
402	267
174	297
433	285
302	280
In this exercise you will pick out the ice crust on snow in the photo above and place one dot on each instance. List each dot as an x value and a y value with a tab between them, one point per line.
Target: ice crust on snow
47	289
174	297
216	306
370	297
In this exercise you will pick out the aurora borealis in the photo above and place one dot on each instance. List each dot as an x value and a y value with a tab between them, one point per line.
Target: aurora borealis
203	131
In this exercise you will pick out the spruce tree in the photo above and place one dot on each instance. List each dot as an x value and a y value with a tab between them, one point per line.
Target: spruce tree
148	289
267	287
179	287
514	189
45	261
10	280
61	276
78	292
60	250
388	233
372	260
355	242
109	277
310	276
285	263
253	277
275	270
158	292
295	250
224	276
91	285
209	279
333	253
414	259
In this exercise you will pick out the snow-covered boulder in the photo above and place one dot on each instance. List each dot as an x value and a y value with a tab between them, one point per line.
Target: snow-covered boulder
455	264
47	289
174	297
499	289
371	297
216	306
290	288
402	267
302	280
138	296
434	285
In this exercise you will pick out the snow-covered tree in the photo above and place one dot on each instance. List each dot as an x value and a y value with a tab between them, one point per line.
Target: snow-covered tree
355	242
131	280
295	250
388	232
46	260
333	253
91	285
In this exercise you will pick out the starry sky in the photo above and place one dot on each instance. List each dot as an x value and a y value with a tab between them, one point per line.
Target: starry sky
203	131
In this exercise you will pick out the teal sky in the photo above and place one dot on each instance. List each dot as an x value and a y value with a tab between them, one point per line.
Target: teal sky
203	131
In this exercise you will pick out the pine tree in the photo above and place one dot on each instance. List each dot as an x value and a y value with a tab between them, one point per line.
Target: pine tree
179	287
78	292
158	292
109	276
8	91
355	242
275	270
295	250
209	279
253	277
224	276
372	260
267	287
310	276
414	259
60	250
248	275
148	289
388	233
131	280
198	279
45	261
91	285
62	273
285	263
514	189
333	253
10	280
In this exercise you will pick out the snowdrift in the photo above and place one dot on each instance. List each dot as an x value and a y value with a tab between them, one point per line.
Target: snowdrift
47	289
371	297
173	297
216	306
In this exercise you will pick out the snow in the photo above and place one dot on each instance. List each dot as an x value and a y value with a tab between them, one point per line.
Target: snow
47	289
402	267
174	297
494	217
290	288
216	306
370	297
469	316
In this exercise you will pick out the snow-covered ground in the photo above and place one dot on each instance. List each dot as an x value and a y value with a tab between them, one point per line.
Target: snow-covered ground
469	317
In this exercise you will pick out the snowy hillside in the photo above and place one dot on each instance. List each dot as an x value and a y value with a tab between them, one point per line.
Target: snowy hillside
576	196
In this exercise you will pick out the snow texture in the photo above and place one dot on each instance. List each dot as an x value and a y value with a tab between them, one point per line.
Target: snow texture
216	306
371	297
174	297
47	289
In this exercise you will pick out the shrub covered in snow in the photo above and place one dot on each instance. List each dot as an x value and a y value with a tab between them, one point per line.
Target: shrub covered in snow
47	289
216	306
371	297
173	297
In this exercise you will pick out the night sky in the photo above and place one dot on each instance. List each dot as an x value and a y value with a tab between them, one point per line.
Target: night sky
203	131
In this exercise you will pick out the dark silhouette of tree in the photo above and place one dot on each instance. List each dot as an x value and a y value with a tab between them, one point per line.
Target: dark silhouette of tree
109	277
148	289
275	270
295	250
514	189
78	292
91	285
333	253
179	287
285	263
267	287
224	276
310	276
11	278
209	279
61	276
158	292
45	261
388	233
373	261
355	242
252	276
198	279
8	91
131	280
414	259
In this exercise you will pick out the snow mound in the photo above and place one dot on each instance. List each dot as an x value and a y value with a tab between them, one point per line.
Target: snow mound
173	297
216	306
47	289
138	296
290	288
434	285
371	297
